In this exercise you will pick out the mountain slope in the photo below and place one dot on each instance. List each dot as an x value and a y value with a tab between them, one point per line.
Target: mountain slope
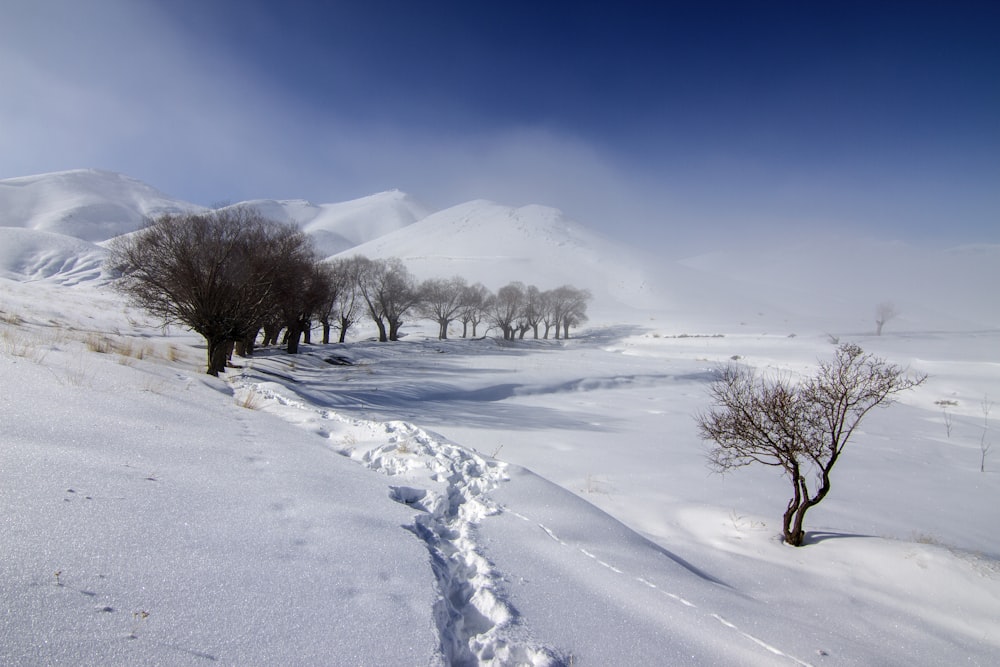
486	242
29	254
339	226
86	204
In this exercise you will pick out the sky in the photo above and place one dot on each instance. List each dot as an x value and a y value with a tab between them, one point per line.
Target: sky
660	122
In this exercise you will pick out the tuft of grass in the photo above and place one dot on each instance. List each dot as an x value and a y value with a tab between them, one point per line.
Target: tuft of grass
99	344
12	319
21	344
248	398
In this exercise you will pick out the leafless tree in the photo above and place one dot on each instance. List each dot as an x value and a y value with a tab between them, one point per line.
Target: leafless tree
302	293
389	291
800	428
474	306
213	272
341	307
567	308
884	312
507	307
534	311
441	301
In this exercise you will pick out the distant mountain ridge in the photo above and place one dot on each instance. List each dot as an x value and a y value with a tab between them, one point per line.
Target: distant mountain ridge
53	227
87	204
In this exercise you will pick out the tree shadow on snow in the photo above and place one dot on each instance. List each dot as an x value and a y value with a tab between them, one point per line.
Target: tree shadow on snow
819	536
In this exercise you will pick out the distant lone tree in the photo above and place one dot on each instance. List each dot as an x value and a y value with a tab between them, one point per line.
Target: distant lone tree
214	272
800	428
884	312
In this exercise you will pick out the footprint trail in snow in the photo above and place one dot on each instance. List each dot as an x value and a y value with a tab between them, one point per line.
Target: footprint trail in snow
476	624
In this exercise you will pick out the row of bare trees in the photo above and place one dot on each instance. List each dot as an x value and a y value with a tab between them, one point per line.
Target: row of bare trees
385	291
230	273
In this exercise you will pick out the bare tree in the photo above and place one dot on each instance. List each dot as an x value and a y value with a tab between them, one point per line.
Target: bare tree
303	292
213	272
507	307
884	312
441	301
345	297
389	291
474	306
801	429
534	310
567	307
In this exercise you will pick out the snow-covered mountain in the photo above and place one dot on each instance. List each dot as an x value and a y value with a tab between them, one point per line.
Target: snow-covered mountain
340	226
51	226
87	204
486	242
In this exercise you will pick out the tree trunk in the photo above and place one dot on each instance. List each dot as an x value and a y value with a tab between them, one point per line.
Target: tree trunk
216	350
465	328
292	335
394	327
307	332
270	334
326	331
344	326
382	335
442	329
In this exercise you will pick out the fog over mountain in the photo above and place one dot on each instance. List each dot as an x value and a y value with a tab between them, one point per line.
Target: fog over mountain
829	282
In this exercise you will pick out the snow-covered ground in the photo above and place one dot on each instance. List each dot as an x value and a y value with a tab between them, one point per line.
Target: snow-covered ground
478	502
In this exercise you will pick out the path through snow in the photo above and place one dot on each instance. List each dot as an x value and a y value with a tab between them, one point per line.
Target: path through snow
448	484
450	487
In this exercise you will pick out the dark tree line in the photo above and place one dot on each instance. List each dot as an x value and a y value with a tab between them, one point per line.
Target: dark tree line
231	273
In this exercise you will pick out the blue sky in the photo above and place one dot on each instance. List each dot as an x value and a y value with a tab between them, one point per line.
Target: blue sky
663	122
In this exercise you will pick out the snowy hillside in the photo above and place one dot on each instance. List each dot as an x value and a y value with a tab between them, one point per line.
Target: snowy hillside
87	204
28	254
494	244
337	227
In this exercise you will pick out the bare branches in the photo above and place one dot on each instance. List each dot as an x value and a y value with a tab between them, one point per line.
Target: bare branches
218	273
800	428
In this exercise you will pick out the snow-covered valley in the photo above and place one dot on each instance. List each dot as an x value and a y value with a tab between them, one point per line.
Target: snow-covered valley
480	501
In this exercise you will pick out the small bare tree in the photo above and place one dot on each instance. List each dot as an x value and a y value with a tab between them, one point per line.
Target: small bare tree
800	428
884	312
474	306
